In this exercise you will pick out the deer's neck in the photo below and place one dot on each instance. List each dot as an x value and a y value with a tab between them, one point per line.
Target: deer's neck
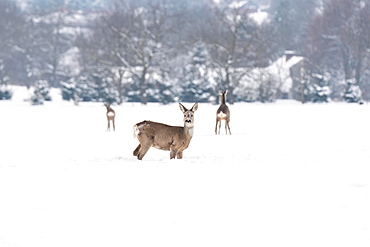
109	110
189	131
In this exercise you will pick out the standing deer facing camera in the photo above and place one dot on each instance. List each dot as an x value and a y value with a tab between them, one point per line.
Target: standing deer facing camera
223	113
165	137
110	116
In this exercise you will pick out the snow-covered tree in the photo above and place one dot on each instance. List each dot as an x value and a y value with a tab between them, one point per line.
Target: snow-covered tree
105	91
50	46
68	90
5	93
268	88
86	89
43	87
353	93
79	88
259	84
321	91
303	89
232	46
340	37
37	99
134	37
89	88
41	93
195	83
247	91
160	90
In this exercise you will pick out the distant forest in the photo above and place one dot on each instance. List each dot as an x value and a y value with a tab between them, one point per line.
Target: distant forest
171	50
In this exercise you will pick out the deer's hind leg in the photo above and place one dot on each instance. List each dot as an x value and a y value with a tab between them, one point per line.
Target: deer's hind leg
227	125
216	126
108	128
143	150
145	144
136	151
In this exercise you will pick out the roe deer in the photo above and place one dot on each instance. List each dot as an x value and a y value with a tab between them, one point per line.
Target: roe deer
110	116
223	113
165	137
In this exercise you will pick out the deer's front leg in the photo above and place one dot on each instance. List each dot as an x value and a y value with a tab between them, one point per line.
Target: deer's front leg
173	152
179	154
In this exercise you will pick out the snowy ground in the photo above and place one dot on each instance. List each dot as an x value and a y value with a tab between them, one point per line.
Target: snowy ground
290	175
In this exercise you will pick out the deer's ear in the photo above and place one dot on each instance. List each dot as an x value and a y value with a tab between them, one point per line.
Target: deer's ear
220	92
195	107
225	91
182	108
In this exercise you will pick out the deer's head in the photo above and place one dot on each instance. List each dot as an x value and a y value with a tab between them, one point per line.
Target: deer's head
189	114
222	96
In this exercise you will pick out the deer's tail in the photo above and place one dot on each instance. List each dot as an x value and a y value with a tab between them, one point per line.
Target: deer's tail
136	130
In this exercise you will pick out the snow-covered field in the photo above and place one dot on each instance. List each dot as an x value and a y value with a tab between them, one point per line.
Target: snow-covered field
289	175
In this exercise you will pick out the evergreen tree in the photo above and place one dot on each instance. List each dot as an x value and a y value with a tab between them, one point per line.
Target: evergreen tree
132	90
353	93
105	92
196	86
68	90
44	89
268	88
321	91
89	88
40	93
160	91
36	98
85	89
304	89
5	93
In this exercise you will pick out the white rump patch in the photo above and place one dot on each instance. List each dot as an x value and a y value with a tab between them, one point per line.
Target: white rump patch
136	131
221	115
110	114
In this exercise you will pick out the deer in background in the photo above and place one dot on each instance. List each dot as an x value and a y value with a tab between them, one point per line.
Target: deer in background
223	113
165	137
110	116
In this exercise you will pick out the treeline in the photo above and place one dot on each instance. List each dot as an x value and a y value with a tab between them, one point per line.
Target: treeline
170	50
